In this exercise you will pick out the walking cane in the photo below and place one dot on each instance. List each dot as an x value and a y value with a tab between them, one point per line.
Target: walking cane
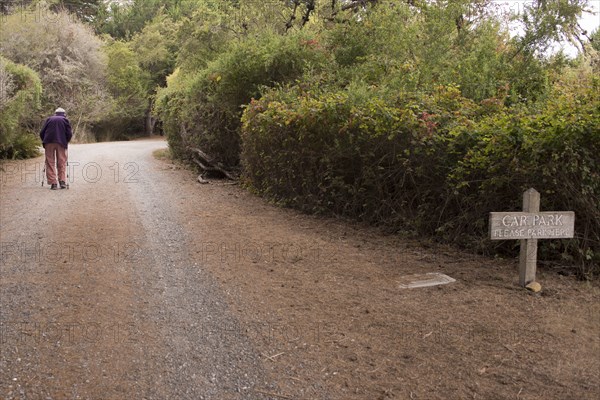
67	151
44	170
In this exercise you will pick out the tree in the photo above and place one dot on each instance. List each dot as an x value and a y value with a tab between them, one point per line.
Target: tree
11	6
546	22
124	20
85	10
127	83
155	49
69	60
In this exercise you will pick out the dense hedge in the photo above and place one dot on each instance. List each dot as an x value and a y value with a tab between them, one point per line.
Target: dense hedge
21	92
556	150
433	163
204	108
349	152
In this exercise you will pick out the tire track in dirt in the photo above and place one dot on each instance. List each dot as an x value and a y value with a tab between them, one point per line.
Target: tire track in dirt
206	356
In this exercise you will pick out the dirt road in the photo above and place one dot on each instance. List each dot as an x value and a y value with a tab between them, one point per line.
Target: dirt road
138	283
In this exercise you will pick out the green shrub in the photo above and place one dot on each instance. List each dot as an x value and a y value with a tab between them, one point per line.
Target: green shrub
203	109
353	152
20	101
25	145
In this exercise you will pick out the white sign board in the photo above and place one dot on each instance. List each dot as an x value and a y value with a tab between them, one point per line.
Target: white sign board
539	225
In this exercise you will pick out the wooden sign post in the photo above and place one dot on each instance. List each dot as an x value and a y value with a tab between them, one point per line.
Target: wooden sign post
529	226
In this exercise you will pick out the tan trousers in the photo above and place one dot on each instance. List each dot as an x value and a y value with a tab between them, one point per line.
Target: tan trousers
56	156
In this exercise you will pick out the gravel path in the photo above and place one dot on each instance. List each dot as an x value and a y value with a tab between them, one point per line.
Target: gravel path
99	296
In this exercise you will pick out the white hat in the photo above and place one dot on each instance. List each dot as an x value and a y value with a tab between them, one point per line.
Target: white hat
60	110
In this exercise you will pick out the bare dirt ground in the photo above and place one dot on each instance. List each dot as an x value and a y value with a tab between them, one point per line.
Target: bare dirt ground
139	283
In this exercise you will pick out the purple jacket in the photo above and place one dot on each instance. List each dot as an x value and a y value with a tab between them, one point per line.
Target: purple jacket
57	129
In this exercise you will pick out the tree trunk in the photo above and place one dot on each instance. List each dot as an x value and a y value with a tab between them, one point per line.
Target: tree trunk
150	120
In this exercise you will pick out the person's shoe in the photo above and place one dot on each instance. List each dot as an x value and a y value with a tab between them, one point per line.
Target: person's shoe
63	185
54	186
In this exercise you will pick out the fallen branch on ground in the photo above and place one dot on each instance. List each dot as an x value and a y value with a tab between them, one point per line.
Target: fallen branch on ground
208	164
